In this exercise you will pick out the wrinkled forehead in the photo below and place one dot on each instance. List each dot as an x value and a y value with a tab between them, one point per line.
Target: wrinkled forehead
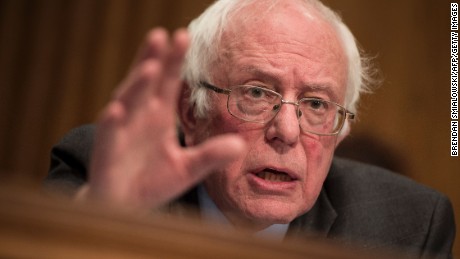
266	10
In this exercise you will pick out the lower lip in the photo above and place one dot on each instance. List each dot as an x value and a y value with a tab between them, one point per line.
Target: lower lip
270	186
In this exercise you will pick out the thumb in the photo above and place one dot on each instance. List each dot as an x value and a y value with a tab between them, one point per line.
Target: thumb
214	154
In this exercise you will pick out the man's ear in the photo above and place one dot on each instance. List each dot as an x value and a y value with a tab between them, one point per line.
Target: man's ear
186	114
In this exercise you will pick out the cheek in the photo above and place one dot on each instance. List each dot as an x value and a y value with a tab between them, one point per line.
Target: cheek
319	147
319	152
217	121
222	122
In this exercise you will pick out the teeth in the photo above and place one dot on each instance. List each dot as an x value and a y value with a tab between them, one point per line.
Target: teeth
274	177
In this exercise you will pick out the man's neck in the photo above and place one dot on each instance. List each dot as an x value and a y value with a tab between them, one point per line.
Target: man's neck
211	213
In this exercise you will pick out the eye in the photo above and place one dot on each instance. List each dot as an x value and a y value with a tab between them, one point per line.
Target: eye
256	92
317	104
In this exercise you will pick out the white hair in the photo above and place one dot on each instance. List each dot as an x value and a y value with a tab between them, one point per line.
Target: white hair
206	32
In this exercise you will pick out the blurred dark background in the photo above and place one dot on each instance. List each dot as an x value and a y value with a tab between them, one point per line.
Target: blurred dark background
60	60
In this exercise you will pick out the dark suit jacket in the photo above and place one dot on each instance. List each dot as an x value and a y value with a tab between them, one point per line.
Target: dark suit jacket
359	204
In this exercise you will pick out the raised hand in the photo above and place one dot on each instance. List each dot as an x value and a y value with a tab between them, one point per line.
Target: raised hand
137	159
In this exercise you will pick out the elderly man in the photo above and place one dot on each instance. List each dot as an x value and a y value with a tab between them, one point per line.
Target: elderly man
268	91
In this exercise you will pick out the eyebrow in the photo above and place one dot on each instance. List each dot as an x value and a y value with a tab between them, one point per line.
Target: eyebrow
261	73
322	88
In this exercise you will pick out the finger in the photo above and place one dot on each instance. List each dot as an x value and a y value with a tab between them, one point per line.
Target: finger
154	46
214	154
154	49
113	114
173	65
139	85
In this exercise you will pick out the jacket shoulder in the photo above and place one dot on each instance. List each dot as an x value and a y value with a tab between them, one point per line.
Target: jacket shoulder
70	159
374	204
371	181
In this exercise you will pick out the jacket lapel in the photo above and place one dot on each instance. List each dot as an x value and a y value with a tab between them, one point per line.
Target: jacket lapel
317	221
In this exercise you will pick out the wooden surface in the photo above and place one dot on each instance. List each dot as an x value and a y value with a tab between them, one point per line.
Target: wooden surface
60	60
33	225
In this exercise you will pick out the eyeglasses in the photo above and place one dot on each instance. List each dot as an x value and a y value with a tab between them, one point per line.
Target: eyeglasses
261	105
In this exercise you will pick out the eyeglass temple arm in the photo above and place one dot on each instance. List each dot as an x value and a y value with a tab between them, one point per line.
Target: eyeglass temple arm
348	114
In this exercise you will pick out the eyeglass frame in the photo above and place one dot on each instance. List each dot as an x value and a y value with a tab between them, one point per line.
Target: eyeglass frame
348	115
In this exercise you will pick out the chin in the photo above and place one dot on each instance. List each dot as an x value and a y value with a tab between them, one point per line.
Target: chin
273	212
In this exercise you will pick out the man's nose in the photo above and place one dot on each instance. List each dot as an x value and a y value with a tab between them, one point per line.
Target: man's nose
284	127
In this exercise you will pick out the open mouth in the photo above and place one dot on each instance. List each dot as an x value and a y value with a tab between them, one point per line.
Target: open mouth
274	176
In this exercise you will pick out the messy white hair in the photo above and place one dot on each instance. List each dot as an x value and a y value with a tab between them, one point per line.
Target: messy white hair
206	33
